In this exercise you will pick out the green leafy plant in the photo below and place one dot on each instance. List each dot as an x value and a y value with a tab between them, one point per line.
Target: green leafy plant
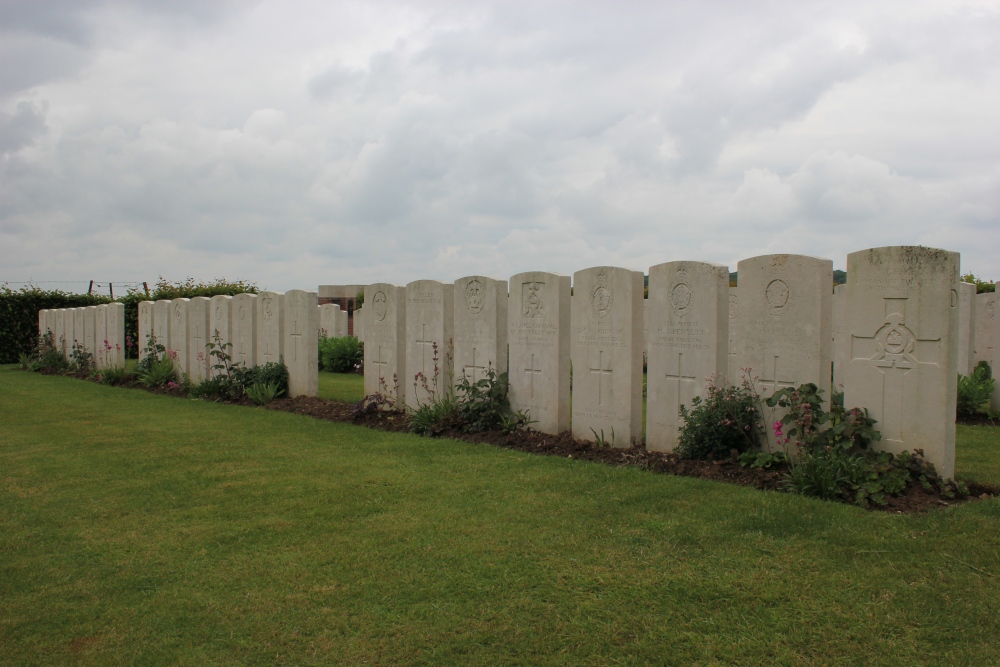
80	359
974	391
263	393
600	441
764	460
158	372
813	428
47	357
727	419
435	416
483	405
114	375
341	355
24	360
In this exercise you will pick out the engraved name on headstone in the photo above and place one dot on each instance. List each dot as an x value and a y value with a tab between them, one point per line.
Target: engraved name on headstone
480	327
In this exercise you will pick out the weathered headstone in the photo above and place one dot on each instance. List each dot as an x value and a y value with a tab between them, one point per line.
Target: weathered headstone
480	327
733	374
179	341
688	344
243	329
538	333
385	341
902	313
342	323
102	359
199	358
69	331
783	332
79	329
50	323
220	315
145	328
300	343
328	320
269	327
429	353
841	338
59	335
359	324
89	323
162	316
606	350
116	334
966	327
43	319
987	338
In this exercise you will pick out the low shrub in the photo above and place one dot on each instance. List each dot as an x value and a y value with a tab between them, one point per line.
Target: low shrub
46	357
975	391
262	394
154	372
341	355
727	419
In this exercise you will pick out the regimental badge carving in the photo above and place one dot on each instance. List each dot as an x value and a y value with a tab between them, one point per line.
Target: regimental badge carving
474	296
145	311
268	309
380	302
894	344
177	313
777	294
734	307
601	299
680	294
991	309
243	313
531	300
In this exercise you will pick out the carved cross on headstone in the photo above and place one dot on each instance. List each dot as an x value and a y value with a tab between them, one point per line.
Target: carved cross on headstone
773	383
680	382
197	338
601	371
296	337
268	352
473	366
425	347
381	364
532	372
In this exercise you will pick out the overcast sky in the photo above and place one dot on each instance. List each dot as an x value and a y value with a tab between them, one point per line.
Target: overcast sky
295	144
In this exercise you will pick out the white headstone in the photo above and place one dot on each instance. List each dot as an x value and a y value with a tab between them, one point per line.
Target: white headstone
328	320
688	343
841	338
103	356
480	327
59	334
429	352
385	340
538	333
987	338
220	314
733	374
342	322
784	327
243	329
116	334
359	324
162	319
179	334
89	323
269	327
69	331
50	323
966	327
145	329
300	345
606	350
199	357
43	319
902	313
79	328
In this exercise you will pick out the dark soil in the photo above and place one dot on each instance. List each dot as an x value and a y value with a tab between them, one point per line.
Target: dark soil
978	420
914	499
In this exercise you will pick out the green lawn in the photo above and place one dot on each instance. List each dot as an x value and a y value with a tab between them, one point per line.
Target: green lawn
343	387
139	529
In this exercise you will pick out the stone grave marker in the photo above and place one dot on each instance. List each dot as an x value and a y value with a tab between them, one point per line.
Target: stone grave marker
243	329
784	331
69	331
841	338
162	316
987	337
538	333
59	334
199	359
145	328
300	342
359	324
733	374
342	321
902	313
220	315
43	318
385	341
480	327
269	327
429	341
116	334
89	324
50	323
102	360
179	335
79	328
688	343
966	327
606	349
328	320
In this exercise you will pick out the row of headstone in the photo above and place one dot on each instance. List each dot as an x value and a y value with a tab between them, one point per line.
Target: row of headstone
98	330
896	336
332	321
253	329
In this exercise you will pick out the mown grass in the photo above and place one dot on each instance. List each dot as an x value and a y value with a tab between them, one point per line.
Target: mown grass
343	387
138	529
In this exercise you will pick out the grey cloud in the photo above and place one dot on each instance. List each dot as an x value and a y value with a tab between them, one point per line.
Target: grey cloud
23	127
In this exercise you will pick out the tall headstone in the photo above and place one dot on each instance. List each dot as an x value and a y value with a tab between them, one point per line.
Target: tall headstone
902	313
359	324
328	320
162	319
606	350
243	329
59	334
50	323
342	322
966	327
841	339
116	334
79	329
538	333
269	327
199	357
69	331
385	341
43	320
733	375
784	329
102	359
220	314
480	327
89	323
179	341
145	328
300	342
688	343
987	337
429	340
